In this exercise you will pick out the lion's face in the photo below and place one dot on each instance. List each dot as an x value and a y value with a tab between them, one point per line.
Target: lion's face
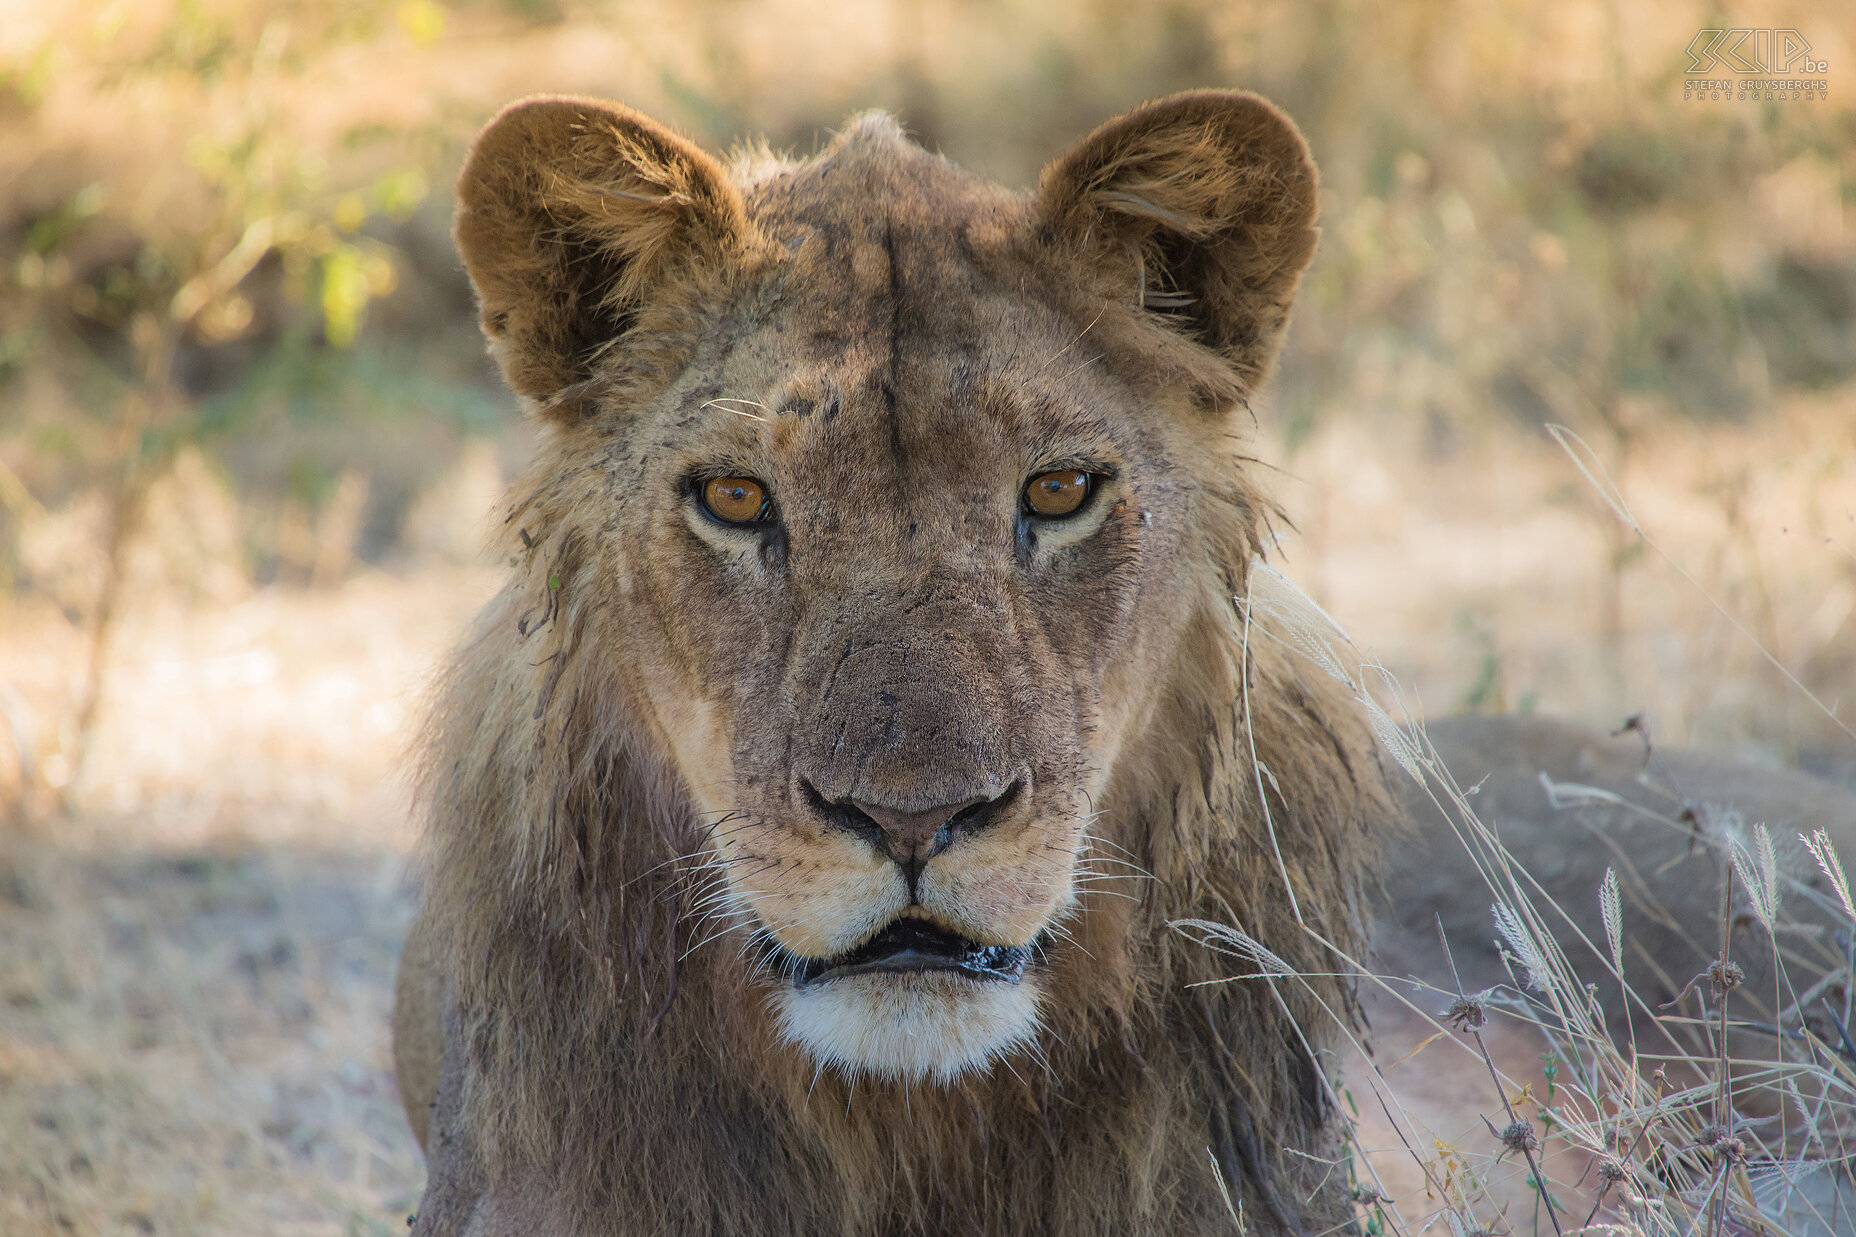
886	487
896	686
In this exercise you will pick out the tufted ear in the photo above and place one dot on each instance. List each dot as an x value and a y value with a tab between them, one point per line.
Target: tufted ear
1212	195
570	211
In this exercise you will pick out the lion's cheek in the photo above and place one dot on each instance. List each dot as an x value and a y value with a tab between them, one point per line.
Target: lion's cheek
818	906
1124	709
699	744
1000	890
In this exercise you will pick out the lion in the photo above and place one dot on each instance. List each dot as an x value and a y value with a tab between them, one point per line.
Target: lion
808	816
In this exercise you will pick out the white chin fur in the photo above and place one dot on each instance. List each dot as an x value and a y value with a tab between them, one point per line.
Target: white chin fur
908	1027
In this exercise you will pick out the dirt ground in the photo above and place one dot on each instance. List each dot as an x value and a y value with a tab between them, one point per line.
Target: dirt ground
194	1041
197	968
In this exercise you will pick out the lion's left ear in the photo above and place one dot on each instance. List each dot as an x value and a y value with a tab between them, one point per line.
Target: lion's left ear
1206	201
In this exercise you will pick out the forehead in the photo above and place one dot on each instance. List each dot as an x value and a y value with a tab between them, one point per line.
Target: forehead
903	295
878	238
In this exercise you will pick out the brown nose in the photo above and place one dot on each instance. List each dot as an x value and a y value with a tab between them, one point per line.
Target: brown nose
911	837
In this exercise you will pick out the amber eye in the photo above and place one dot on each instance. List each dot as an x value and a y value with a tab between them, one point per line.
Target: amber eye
735	500
1057	494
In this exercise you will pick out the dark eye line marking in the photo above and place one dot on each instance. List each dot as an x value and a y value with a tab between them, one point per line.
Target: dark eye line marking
1099	468
1097	472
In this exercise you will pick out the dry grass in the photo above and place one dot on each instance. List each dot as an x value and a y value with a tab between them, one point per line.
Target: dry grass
1687	1120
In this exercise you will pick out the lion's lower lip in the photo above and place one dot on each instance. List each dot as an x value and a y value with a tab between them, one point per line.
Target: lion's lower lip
914	945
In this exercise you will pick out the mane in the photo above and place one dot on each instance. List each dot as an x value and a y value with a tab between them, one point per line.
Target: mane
606	1010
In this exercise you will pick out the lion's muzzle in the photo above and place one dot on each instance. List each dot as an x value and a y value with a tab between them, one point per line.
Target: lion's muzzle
954	898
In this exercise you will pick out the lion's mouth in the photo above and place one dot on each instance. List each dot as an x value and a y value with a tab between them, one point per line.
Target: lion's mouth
914	945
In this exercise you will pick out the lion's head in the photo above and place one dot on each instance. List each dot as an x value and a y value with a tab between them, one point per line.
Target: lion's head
871	658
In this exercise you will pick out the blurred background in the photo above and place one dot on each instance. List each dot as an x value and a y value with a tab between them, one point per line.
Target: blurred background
250	444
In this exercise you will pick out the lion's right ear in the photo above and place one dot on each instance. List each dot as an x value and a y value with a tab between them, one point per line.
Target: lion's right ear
569	212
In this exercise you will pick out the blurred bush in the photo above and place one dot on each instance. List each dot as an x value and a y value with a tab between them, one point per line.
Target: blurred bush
218	230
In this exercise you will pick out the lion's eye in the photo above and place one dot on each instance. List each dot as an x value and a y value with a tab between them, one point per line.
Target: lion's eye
735	500
1057	494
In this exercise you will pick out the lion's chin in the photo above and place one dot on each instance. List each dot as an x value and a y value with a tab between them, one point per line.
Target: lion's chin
908	1027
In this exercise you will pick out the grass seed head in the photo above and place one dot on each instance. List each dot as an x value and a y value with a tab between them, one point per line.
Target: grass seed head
1468	1013
1517	1136
1724	977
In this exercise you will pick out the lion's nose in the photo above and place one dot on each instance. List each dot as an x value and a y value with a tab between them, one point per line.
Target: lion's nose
912	836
